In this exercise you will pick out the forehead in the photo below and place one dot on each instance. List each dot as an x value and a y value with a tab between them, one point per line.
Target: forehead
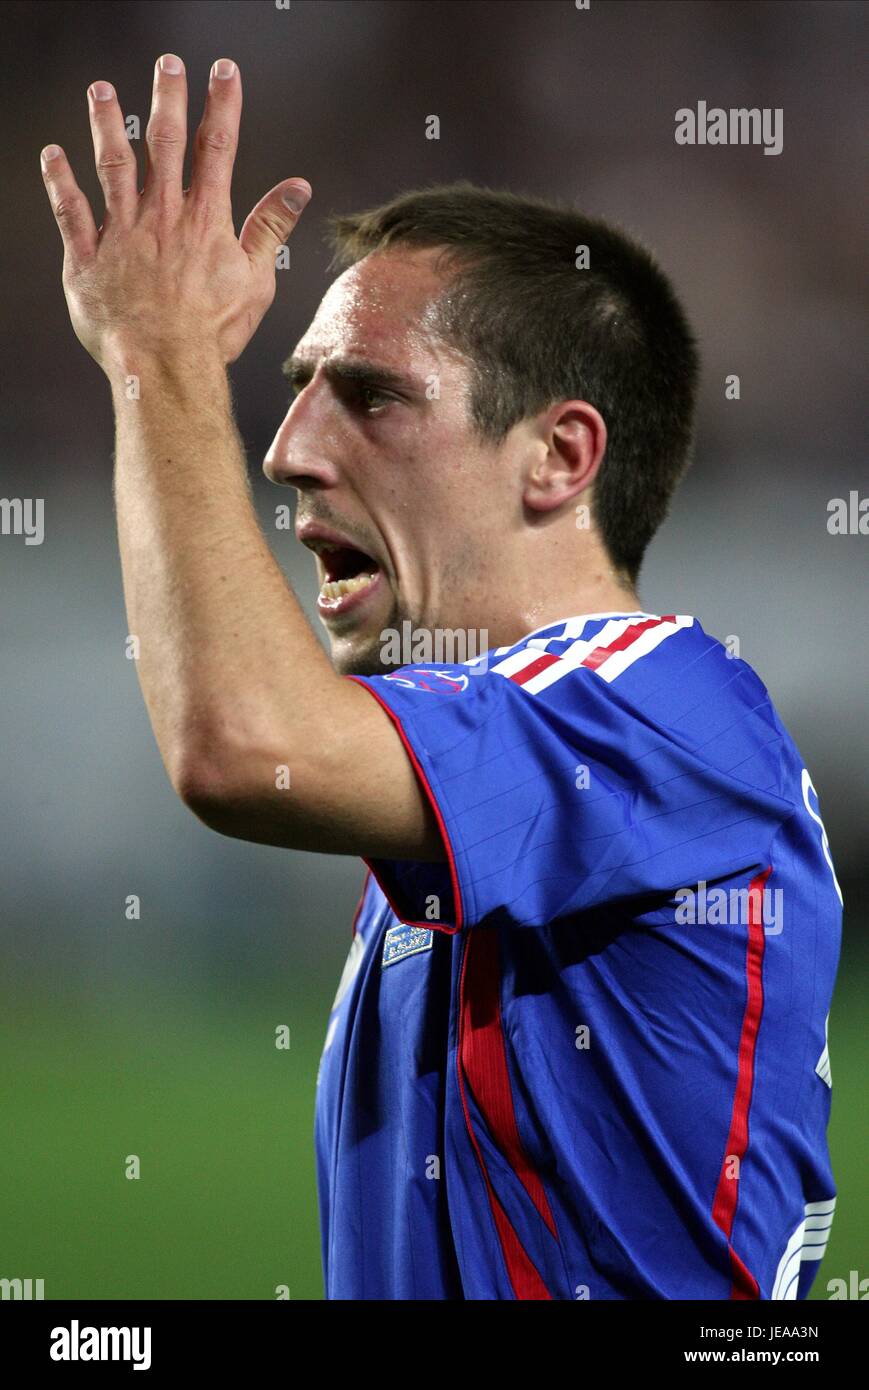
383	307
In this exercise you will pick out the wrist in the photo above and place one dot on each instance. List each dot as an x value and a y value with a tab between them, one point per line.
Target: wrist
186	368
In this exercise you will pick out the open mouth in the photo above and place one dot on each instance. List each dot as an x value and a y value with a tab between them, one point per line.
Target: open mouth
345	572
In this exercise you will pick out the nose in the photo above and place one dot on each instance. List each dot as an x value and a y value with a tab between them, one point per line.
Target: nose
299	454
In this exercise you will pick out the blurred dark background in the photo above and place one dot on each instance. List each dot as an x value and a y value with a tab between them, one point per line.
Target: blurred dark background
155	1037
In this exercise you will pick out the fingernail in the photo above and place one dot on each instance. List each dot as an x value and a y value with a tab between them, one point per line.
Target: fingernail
295	198
50	152
224	67
102	91
171	63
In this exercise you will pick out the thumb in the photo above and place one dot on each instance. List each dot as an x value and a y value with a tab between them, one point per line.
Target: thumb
273	219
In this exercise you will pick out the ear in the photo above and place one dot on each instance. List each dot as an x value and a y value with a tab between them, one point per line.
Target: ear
569	444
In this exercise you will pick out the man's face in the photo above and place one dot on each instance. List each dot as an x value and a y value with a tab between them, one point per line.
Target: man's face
403	505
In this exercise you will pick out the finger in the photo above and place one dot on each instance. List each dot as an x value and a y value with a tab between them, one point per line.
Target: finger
166	136
272	220
113	154
217	138
71	208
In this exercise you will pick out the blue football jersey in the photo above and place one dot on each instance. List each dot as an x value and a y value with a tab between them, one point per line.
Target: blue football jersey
586	1057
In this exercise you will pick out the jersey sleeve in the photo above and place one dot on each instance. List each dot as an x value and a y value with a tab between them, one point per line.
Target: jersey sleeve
553	803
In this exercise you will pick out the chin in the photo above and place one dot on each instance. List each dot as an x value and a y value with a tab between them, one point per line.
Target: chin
359	652
359	656
364	662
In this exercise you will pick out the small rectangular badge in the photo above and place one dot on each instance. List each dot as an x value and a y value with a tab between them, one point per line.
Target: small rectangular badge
404	940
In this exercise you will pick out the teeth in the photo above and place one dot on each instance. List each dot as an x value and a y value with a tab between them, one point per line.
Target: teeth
339	588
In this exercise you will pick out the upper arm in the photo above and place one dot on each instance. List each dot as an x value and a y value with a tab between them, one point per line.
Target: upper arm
349	786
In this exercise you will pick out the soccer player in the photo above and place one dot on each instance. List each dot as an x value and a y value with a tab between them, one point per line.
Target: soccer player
579	1046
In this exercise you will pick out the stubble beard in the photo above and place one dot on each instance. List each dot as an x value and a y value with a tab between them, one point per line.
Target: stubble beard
365	658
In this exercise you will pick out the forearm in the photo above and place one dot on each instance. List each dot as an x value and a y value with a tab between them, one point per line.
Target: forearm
225	652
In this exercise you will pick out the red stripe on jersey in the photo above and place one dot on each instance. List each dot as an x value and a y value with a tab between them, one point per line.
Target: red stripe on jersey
482	1062
597	657
724	1207
745	1285
535	667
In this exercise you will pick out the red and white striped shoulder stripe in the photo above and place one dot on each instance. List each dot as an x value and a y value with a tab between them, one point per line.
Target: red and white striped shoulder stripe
618	644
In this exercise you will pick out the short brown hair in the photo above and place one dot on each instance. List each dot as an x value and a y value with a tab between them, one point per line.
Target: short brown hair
538	330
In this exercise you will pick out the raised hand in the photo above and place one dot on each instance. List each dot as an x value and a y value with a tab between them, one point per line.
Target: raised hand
165	273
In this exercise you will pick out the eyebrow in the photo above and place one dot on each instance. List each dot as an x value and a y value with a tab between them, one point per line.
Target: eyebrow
358	370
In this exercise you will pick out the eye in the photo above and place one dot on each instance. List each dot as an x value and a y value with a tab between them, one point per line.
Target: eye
370	398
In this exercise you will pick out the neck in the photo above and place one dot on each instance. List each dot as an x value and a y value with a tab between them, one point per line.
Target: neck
534	605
